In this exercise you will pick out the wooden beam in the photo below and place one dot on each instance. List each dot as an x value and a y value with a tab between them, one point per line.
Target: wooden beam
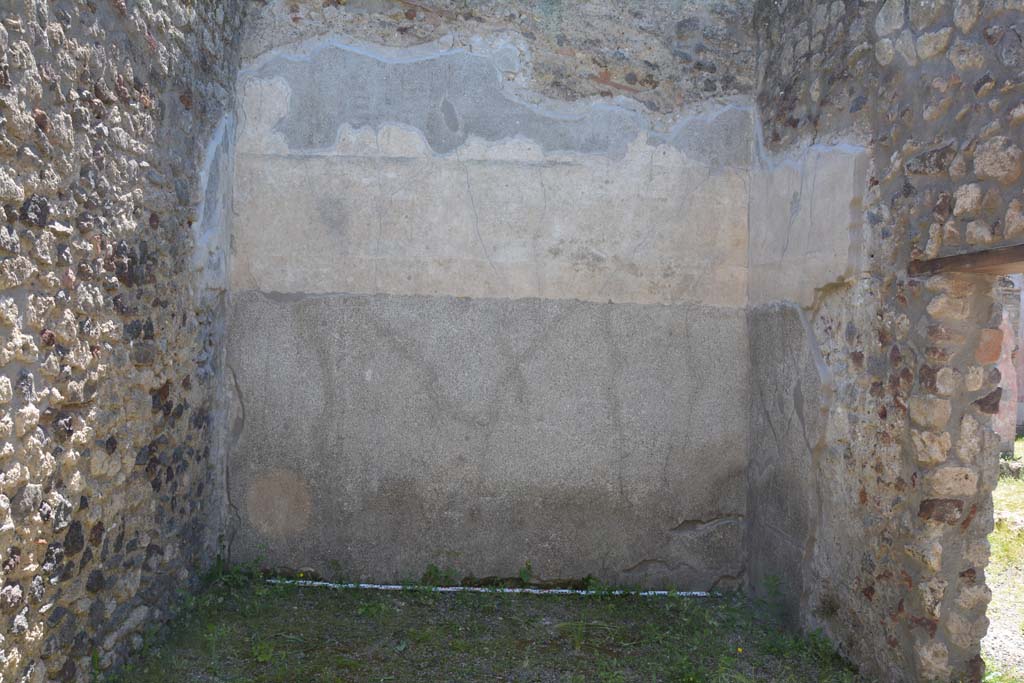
998	261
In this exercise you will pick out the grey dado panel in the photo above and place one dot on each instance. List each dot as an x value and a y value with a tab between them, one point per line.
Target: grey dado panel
383	433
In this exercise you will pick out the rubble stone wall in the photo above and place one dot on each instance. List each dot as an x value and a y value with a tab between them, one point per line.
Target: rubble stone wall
106	331
904	458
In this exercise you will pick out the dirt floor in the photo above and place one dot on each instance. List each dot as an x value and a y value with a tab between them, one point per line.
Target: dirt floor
244	630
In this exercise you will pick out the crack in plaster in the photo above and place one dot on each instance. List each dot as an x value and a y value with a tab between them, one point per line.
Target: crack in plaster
688	526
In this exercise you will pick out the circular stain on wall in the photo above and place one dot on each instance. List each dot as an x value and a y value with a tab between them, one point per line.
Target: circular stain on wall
278	503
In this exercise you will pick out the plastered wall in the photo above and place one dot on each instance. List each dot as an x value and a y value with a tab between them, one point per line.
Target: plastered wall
438	180
476	326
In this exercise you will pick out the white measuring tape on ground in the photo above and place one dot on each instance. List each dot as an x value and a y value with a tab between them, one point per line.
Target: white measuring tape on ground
482	589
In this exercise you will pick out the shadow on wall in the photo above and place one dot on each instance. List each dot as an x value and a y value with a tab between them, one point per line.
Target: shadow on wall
790	396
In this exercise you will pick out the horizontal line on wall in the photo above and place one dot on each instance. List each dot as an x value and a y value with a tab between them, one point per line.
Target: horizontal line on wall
480	589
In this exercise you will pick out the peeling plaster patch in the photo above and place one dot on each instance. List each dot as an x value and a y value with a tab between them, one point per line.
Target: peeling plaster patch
278	503
449	96
721	137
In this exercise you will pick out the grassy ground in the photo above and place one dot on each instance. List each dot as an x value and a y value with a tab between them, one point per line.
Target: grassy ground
245	631
1003	647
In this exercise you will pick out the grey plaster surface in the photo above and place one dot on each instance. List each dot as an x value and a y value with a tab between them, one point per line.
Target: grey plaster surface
452	95
805	222
385	433
447	99
211	233
789	388
409	171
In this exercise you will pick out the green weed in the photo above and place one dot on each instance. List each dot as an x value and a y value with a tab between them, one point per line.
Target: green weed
240	629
